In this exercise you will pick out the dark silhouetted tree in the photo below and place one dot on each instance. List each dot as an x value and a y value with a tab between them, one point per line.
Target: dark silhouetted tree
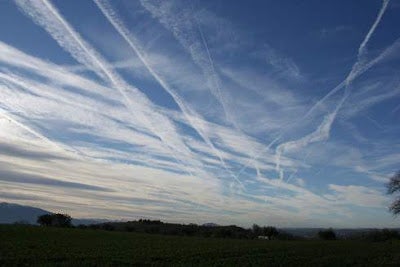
62	220
393	187
257	230
223	232
108	227
58	220
269	231
327	234
45	219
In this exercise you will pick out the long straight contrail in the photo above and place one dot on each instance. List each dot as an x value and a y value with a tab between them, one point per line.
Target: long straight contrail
47	16
27	85
356	73
322	132
357	69
362	48
216	91
257	156
35	11
396	109
193	118
47	91
192	46
4	114
185	36
71	150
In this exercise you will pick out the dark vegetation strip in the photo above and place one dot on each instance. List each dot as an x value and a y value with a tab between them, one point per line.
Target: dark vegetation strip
51	246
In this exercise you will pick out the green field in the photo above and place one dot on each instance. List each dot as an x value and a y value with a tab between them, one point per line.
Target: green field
39	246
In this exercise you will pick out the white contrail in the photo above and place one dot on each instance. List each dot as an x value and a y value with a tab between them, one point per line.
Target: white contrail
16	80
356	73
359	71
51	23
47	16
193	118
58	75
322	132
362	48
192	46
253	159
216	91
357	68
47	91
4	114
71	150
121	64
396	109
377	124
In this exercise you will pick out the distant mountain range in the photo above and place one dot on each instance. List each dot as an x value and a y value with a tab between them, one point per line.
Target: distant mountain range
15	213
11	213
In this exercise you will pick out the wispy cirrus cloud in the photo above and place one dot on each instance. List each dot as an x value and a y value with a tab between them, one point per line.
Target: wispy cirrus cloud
322	133
45	14
190	123
192	116
187	30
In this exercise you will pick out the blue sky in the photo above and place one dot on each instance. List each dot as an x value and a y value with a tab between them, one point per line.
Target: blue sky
281	113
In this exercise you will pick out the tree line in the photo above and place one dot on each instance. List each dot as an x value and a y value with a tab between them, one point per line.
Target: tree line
159	227
230	231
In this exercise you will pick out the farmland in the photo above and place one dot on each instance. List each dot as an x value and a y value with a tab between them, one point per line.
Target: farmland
40	246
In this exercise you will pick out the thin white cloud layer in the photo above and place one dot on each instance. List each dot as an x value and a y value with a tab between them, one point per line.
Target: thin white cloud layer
171	119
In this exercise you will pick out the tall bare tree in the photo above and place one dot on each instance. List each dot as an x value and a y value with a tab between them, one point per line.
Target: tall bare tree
393	187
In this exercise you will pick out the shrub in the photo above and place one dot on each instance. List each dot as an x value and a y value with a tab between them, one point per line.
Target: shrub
327	234
57	220
61	220
45	219
108	227
381	235
269	231
130	228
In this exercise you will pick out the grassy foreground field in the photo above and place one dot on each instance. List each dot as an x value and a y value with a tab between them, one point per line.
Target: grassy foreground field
28	245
